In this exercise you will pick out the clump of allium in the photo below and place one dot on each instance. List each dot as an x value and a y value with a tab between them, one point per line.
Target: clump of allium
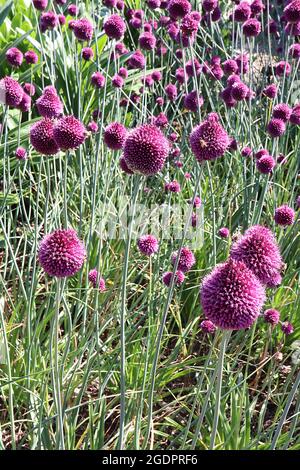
42	138
69	133
114	27
192	101
11	92
284	215
265	164
61	253
208	326
270	91
178	8
115	135
259	251
282	111
252	28
96	280
292	12
224	232
98	80
287	328
49	104
21	153
232	296
14	57
148	245
271	316
276	127
209	140
186	259
83	29
146	149
31	57
168	277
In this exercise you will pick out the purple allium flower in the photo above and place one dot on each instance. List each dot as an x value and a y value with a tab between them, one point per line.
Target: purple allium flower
272	316
208	327
42	138
137	60
265	164
246	152
48	20
189	25
69	133
230	67
21	153
98	80
92	127
260	253
295	115
115	136
224	232
61	253
110	3
146	150
284	216
120	48
197	201
180	75
282	68
153	4
292	29
83	29
168	276
179	8
292	12
270	91
14	57
294	51
192	102
252	28
114	27
124	167
232	296
117	81
87	53
227	97
49	104
282	111
261	153
287	328
29	88
62	20
40	4
276	127
257	7
232	80
156	76
31	57
148	245
209	140
95	279
186	259
147	41
123	72
173	187
209	5
73	10
161	120
193	68
25	104
11	92
171	92
239	91
242	12
216	72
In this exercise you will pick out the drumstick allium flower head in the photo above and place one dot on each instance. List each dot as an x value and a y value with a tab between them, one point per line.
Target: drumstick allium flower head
209	140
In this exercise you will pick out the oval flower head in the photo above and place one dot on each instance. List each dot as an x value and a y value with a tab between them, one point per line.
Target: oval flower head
209	140
258	249
232	296
61	253
146	149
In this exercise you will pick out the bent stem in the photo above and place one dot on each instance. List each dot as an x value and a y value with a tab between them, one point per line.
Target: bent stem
123	317
225	338
55	372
